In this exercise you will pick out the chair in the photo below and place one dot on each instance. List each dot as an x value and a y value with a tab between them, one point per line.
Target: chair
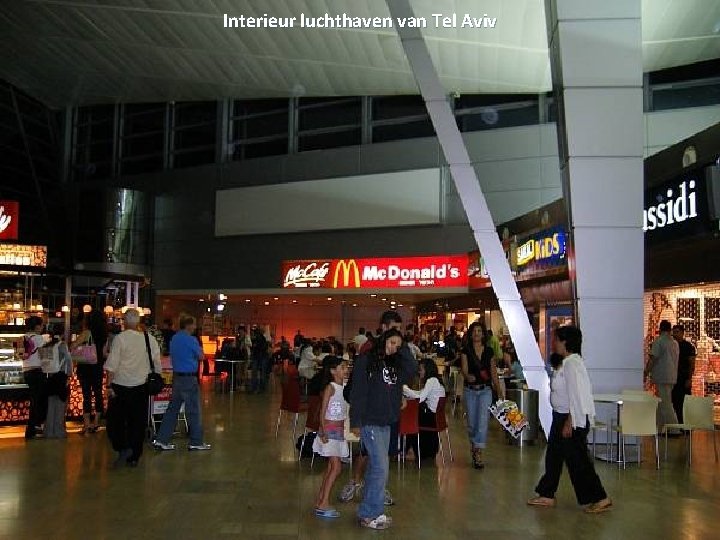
638	419
441	425
698	416
459	390
312	423
607	428
290	403
409	425
220	380
636	392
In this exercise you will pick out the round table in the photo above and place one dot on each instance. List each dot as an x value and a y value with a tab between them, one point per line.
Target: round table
232	370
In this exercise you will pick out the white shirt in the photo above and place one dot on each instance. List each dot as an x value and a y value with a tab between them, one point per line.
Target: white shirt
128	360
431	393
360	340
33	361
306	367
414	349
571	391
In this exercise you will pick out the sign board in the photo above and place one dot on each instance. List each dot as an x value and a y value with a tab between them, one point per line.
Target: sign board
679	208
541	252
20	255
381	273
9	219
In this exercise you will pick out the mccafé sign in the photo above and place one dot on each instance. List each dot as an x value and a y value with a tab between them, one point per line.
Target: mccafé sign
384	273
9	218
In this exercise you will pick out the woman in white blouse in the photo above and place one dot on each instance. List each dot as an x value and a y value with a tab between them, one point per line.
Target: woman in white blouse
429	397
573	411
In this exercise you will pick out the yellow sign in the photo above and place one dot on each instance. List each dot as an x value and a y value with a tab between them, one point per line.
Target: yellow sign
19	255
538	250
346	267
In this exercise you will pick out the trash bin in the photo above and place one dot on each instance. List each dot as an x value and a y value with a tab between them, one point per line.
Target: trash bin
527	402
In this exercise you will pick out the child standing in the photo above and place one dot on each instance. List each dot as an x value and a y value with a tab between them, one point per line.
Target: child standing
330	441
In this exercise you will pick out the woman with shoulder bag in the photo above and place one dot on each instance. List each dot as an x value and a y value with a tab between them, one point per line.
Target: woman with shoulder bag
480	373
90	374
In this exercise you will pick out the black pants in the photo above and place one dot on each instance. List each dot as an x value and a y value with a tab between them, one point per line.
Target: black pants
35	379
91	379
573	452
679	392
127	419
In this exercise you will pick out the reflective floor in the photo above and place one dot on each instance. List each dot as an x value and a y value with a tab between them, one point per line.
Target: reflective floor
250	486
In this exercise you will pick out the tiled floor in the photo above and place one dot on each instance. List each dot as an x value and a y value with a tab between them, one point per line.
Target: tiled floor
250	487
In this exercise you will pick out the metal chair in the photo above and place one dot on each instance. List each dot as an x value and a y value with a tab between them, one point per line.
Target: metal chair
698	415
638	419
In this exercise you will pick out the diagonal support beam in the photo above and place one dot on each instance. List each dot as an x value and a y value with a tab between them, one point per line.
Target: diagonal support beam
476	209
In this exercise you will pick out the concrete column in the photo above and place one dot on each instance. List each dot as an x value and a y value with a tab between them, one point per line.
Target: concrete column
596	57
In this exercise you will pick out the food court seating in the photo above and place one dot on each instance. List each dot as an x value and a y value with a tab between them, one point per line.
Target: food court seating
441	425
697	416
409	425
638	419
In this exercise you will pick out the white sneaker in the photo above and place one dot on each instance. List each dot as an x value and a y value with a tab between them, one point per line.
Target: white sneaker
199	447
383	518
162	446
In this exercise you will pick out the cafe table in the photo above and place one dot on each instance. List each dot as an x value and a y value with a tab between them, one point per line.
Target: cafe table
232	363
619	399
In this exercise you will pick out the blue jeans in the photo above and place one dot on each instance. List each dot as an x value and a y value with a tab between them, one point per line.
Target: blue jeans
477	403
185	390
376	440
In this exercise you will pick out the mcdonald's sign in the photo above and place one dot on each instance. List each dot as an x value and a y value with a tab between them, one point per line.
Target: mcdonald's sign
381	273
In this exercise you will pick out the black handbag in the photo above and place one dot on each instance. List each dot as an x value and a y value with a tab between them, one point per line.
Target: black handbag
155	382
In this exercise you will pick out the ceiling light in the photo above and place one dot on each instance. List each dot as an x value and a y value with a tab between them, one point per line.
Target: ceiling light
108	310
276	298
247	300
354	305
384	299
294	301
201	300
65	309
400	305
267	303
373	296
87	308
221	307
329	298
222	297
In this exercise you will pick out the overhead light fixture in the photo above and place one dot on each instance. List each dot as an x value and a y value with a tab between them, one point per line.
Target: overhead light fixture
373	296
276	298
401	305
354	305
87	308
65	309
384	299
267	303
108	310
329	298
201	299
295	301
221	307
222	297
247	300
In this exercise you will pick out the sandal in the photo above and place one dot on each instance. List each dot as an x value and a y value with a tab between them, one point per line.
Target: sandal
327	513
542	501
599	507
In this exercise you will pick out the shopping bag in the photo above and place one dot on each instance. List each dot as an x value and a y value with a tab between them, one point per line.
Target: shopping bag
511	419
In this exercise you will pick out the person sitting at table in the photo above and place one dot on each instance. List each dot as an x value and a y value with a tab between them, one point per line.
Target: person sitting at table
513	361
429	396
573	411
307	364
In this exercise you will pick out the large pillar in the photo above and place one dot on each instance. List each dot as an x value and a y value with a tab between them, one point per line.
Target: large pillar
596	57
468	187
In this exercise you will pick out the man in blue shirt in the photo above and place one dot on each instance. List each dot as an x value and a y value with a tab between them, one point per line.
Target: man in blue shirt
185	353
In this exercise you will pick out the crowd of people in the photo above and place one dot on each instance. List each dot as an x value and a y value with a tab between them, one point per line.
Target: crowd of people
366	382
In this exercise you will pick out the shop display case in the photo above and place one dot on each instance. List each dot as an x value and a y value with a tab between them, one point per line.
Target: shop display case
14	399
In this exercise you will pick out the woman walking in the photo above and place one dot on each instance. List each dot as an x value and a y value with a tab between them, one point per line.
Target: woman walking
480	373
573	410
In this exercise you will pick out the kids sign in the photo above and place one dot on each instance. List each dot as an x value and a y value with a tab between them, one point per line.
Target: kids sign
385	273
537	253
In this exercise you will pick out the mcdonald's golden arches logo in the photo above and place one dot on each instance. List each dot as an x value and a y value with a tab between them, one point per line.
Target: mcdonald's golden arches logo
349	270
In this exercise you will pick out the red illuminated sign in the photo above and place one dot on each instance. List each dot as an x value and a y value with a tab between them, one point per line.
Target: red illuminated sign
9	218
385	273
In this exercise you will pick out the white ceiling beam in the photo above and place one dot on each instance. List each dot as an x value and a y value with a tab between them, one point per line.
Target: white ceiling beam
476	208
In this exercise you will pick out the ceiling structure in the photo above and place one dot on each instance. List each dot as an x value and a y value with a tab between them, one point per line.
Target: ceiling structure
74	52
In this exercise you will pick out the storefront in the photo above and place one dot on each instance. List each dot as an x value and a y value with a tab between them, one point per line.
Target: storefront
680	220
